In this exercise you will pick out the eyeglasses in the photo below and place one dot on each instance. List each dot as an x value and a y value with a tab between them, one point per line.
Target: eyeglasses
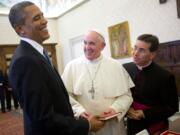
140	50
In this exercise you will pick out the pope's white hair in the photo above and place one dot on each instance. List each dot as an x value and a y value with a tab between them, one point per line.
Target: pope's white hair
99	33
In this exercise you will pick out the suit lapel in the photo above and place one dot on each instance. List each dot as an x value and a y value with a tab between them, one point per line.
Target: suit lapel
52	69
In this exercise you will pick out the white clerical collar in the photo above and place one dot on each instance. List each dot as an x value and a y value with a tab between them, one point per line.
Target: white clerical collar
96	60
34	44
141	67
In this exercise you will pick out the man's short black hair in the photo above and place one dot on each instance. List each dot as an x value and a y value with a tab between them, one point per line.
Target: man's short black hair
17	15
152	39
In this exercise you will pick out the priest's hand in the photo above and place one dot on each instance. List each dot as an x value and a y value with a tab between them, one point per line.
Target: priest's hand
135	114
95	123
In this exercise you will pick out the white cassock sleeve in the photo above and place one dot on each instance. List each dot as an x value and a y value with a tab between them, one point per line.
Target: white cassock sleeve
68	81
123	102
76	106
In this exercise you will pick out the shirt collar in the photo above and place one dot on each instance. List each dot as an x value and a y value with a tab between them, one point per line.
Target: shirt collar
34	44
141	67
95	60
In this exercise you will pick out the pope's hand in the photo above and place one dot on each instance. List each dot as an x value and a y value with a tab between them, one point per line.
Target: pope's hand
108	112
85	115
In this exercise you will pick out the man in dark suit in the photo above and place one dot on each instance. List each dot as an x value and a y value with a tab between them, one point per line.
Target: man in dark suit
9	95
2	92
155	94
37	84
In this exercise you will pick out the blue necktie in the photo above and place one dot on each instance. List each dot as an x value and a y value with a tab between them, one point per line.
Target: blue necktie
47	56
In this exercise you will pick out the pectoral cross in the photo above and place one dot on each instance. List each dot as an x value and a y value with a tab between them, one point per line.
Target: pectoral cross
92	91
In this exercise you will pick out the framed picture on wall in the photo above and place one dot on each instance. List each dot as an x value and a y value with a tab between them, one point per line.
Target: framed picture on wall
119	38
178	8
162	1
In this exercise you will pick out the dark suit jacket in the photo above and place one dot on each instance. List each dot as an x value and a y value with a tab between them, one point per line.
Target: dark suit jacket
157	89
42	95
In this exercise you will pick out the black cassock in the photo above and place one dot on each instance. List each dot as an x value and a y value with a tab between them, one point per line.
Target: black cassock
154	87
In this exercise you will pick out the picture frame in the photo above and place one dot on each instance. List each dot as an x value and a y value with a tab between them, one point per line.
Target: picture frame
178	8
119	38
162	1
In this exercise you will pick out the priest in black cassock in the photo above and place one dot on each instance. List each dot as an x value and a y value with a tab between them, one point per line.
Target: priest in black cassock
155	93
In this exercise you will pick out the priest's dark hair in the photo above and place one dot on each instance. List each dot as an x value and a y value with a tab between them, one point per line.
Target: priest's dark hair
152	39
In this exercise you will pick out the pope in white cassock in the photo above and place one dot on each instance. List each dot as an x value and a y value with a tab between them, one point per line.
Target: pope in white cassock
100	85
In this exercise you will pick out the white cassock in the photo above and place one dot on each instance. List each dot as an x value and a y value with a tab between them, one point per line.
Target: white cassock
111	85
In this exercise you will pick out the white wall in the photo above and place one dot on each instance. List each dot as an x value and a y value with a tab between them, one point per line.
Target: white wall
144	16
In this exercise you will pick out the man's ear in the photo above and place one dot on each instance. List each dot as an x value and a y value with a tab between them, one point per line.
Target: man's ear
103	45
153	55
19	30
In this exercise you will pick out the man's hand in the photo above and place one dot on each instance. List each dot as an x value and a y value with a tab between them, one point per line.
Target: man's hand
95	123
135	114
